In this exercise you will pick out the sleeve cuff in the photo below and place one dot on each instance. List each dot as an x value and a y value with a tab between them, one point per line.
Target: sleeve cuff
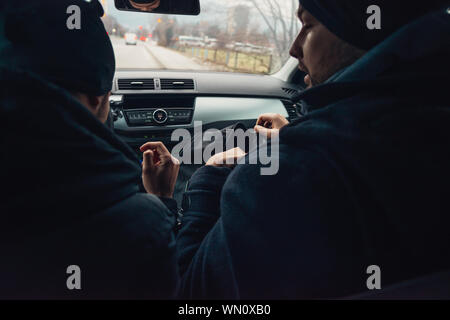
171	204
205	188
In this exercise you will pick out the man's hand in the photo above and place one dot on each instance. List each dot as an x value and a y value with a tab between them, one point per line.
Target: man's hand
226	159
159	170
270	123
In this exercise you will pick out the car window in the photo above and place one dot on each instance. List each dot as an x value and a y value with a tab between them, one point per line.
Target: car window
245	36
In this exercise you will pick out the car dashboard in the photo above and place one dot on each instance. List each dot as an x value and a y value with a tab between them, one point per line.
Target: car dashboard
150	105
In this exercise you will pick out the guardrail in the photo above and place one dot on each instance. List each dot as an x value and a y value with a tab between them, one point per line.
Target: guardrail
235	60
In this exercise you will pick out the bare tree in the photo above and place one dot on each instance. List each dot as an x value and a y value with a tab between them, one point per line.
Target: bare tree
240	20
282	23
213	31
112	26
165	31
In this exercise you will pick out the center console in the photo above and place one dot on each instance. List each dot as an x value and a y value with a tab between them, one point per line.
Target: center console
142	118
140	111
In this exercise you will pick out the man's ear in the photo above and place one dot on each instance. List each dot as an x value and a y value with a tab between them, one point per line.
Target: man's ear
95	102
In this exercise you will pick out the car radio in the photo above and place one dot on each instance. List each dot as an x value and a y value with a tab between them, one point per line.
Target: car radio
158	117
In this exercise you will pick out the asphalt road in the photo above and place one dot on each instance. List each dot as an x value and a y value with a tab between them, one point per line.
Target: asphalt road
147	55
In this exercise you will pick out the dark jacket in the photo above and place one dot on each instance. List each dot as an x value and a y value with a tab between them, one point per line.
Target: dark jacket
363	180
71	196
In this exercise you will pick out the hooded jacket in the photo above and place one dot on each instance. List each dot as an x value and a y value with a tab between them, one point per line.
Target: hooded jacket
71	197
363	180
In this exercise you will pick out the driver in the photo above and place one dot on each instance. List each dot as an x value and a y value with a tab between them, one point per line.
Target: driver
363	177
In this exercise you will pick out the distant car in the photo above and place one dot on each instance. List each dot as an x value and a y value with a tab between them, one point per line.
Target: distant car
187	41
131	39
241	47
229	46
212	44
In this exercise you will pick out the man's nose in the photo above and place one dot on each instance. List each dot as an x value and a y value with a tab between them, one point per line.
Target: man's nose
292	52
296	49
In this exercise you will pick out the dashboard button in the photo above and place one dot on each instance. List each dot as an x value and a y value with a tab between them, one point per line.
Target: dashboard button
160	116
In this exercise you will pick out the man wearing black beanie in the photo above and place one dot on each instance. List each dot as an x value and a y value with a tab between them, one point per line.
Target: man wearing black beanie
336	34
360	199
77	222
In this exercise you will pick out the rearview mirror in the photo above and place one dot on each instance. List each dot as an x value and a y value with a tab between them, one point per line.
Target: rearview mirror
184	7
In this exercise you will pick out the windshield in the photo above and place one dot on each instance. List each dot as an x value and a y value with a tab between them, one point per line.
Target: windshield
246	36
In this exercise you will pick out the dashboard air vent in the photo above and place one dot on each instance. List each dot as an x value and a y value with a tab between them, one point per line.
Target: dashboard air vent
136	84
290	91
177	84
291	110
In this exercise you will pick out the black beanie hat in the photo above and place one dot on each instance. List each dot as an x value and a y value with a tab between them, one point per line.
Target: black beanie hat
36	38
347	19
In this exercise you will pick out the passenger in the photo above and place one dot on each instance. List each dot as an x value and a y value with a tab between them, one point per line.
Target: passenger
74	221
363	178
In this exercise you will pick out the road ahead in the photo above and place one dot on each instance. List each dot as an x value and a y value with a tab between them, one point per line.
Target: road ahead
150	56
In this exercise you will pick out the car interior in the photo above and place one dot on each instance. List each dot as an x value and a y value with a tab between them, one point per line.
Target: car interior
149	103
